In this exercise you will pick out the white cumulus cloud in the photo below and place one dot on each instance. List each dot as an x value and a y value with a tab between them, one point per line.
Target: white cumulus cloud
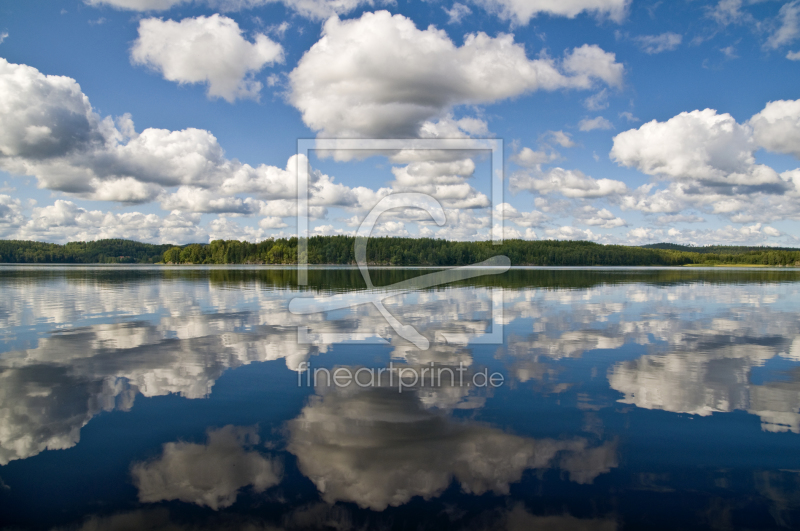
208	50
777	127
380	76
703	147
51	132
708	161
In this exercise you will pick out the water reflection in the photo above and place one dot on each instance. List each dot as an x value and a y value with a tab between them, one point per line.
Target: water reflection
208	474
48	393
378	447
598	365
716	378
705	341
323	516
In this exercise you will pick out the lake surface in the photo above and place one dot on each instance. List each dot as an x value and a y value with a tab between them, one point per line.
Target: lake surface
184	398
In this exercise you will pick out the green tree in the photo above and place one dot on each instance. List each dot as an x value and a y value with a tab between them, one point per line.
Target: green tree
172	255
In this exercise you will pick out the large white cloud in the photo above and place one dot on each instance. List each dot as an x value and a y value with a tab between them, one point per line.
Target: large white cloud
777	127
697	144
380	76
43	116
51	132
708	161
205	50
521	11
710	149
207	474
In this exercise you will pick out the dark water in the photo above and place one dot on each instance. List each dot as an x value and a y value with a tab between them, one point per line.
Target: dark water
174	399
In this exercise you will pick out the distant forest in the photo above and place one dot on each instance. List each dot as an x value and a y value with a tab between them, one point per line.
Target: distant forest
338	250
96	252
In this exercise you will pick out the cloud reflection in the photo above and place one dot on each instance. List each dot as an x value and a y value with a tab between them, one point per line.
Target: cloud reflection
48	393
211	474
715	379
377	447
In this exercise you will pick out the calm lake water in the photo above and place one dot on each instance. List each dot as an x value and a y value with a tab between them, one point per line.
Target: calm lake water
184	398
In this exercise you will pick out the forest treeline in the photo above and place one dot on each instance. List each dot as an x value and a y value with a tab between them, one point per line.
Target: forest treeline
95	252
393	251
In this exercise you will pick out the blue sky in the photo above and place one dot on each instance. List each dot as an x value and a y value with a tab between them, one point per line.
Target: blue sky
623	121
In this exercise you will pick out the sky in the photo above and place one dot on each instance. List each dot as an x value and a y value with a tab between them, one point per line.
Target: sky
622	121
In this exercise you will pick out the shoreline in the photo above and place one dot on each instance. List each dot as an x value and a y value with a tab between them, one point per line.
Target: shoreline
320	267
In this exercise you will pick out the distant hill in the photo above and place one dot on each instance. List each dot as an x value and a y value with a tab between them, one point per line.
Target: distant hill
718	249
393	251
